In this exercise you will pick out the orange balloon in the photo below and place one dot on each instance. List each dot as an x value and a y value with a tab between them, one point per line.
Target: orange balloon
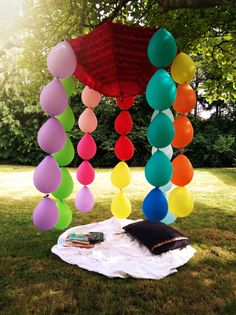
182	171
183	132
185	100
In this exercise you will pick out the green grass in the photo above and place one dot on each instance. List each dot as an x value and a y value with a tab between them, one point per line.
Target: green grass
34	281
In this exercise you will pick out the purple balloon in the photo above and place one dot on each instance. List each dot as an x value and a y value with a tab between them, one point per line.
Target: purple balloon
53	98
61	60
51	136
84	200
45	215
47	176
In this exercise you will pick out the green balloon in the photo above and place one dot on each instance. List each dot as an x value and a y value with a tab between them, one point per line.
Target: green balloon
67	119
161	90
66	187
162	48
65	215
66	154
161	131
69	85
158	170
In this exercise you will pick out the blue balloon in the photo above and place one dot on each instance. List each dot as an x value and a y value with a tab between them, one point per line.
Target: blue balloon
161	90
166	187
158	170
169	218
155	205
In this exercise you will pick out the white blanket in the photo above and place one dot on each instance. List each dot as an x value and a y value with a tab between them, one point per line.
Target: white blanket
120	255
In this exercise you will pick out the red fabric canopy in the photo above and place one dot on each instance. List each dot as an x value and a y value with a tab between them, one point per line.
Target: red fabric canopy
112	59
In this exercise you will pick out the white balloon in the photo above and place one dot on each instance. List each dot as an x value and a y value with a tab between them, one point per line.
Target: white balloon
167	112
167	150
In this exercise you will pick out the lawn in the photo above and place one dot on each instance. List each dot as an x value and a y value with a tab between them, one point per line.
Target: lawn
34	281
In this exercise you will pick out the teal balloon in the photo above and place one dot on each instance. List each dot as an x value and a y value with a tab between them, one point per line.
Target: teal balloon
161	90
66	154
69	85
162	48
66	187
158	170
161	131
67	119
65	215
169	218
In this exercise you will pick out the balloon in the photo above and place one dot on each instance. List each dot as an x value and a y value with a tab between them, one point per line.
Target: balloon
124	148
182	171
180	202
162	48
167	112
183	132
84	200
168	150
51	136
121	175
85	173
90	98
123	123
47	176
125	102
87	121
45	214
185	100
86	147
169	218
158	170
182	69
65	215
155	205
61	60
120	206
161	90
53	98
69	85
66	187
160	132
67	119
66	154
166	187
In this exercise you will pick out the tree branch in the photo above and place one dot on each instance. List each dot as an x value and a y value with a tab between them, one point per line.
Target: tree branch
167	5
115	13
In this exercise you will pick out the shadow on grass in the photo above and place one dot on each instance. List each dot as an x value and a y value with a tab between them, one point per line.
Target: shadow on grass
226	175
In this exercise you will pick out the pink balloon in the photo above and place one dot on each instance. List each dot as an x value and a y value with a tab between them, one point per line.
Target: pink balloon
62	61
47	176
51	136
86	147
53	98
87	121
84	200
90	98
85	173
45	215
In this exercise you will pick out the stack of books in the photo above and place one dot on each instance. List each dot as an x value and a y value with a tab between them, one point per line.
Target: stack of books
84	239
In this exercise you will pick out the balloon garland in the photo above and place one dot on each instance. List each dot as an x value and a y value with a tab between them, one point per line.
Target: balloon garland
52	139
86	149
165	132
124	150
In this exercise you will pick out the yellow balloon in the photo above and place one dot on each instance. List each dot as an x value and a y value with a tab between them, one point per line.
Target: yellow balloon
182	69
120	206
180	202
121	175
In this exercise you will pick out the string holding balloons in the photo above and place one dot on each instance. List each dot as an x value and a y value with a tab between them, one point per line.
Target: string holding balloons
86	149
124	150
50	175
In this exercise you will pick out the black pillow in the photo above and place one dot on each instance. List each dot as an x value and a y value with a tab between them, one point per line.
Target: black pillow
157	236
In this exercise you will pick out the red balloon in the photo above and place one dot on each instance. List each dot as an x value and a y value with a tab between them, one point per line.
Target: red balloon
124	148
125	102
123	123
